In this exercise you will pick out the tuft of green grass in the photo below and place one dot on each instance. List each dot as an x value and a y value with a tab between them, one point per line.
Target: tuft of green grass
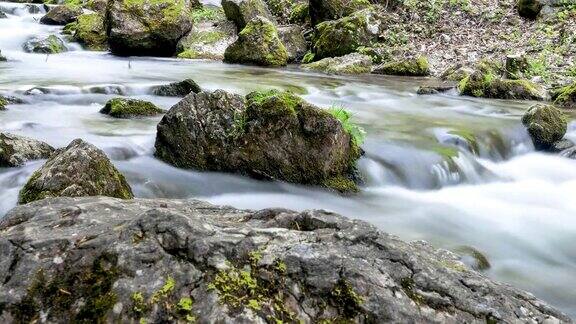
358	134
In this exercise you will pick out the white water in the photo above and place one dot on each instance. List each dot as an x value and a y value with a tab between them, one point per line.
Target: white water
515	205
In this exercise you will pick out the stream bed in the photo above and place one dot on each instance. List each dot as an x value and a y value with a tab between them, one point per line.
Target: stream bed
454	171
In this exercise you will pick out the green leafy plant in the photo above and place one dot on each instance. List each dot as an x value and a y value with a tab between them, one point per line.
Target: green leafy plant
358	134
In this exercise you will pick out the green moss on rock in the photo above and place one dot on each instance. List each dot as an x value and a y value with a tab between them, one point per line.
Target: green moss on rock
407	67
565	96
546	125
349	64
344	36
89	31
55	297
258	43
126	108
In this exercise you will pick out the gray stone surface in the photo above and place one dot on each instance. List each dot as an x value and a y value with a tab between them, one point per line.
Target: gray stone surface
146	257
16	150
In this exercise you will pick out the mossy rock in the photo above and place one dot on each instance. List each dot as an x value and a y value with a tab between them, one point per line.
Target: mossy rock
3	103
406	67
241	12
78	170
283	10
348	64
565	96
16	150
61	15
49	45
323	10
258	43
529	9
546	125
89	31
345	35
266	135
207	40
127	108
292	36
147	27
487	82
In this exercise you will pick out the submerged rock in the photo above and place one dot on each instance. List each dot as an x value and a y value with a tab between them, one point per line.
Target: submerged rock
436	87
417	66
270	135
185	260
90	31
348	64
80	169
61	15
322	10
241	12
565	96
258	43
16	150
546	125
177	89
127	108
529	8
147	27
49	45
346	35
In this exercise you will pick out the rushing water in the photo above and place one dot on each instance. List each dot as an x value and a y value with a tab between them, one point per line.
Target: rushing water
498	195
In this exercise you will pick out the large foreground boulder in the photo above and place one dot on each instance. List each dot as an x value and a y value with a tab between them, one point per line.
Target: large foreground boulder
270	135
546	125
61	15
258	43
16	150
105	260
80	169
147	27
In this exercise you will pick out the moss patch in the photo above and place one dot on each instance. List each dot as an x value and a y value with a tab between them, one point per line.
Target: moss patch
565	96
126	108
57	296
89	30
406	67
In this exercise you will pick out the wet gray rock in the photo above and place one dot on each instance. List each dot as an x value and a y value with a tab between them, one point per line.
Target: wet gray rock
16	150
61	15
546	125
436	87
147	28
176	260
177	89
292	36
80	169
242	11
207	40
3	15
48	45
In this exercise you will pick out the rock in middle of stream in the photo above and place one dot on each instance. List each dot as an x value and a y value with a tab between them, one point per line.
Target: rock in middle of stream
269	135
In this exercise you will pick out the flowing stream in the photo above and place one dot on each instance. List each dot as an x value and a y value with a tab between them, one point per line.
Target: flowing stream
495	194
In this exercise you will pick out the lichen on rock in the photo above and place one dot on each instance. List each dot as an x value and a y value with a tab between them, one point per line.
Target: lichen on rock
258	43
16	150
127	108
78	170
